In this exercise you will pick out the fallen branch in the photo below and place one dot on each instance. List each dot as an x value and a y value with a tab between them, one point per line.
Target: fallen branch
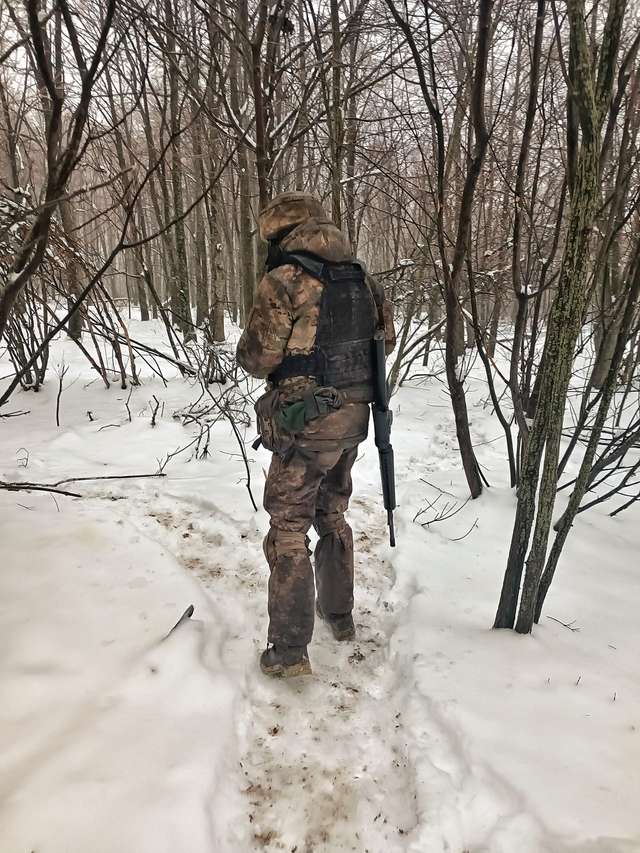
16	414
36	487
110	477
54	487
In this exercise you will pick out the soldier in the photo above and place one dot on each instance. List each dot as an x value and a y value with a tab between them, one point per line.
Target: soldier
310	333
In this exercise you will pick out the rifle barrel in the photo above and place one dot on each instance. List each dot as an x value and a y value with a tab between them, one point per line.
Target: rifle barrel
392	529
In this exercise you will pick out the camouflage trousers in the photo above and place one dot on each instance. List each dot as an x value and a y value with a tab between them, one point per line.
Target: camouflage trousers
307	488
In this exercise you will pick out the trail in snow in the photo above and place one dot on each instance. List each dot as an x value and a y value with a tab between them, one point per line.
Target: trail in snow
324	760
423	736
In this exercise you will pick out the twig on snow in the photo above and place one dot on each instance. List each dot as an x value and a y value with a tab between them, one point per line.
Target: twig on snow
62	372
446	512
18	413
154	411
460	538
188	613
437	488
126	403
568	625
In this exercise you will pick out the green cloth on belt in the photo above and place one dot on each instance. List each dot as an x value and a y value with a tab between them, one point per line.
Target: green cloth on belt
291	418
316	402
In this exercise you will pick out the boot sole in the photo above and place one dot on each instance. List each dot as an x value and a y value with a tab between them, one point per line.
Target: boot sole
291	671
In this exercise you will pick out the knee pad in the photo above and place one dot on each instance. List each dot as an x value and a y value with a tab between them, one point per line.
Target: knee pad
278	543
333	523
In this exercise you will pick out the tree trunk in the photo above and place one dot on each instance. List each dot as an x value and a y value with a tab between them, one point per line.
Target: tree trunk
179	291
336	126
582	481
565	321
73	268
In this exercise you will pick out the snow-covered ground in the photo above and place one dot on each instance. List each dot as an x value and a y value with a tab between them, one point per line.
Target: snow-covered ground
430	733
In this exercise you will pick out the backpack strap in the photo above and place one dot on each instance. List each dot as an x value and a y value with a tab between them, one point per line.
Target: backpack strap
310	263
320	268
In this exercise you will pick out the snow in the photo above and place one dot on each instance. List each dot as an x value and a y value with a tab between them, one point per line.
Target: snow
96	705
431	733
523	738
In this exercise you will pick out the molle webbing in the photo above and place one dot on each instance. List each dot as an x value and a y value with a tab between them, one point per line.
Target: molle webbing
343	352
338	365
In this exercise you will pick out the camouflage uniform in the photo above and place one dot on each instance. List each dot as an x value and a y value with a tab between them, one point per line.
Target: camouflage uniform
309	481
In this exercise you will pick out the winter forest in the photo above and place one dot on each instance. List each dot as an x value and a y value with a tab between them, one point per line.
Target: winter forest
482	159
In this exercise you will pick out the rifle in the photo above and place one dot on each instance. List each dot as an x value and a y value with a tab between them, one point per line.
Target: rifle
382	420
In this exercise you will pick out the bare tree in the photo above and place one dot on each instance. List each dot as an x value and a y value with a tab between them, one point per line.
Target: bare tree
591	84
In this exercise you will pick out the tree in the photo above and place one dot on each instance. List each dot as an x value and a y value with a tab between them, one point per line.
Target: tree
591	86
62	149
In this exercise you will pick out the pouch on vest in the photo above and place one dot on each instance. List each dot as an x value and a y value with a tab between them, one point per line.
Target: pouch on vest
315	403
267	409
292	417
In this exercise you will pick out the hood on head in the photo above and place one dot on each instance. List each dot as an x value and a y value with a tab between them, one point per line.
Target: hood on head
286	211
320	237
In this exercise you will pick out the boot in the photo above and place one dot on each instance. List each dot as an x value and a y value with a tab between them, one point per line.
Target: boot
342	627
285	661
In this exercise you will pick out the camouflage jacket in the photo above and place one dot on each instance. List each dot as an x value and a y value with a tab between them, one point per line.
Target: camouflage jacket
284	320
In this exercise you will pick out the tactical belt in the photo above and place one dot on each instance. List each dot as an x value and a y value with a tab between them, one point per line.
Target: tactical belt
291	418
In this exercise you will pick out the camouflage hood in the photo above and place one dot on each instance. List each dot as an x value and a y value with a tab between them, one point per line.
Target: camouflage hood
319	236
285	211
298	222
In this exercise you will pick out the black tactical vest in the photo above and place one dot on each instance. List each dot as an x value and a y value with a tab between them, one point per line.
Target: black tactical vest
348	317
